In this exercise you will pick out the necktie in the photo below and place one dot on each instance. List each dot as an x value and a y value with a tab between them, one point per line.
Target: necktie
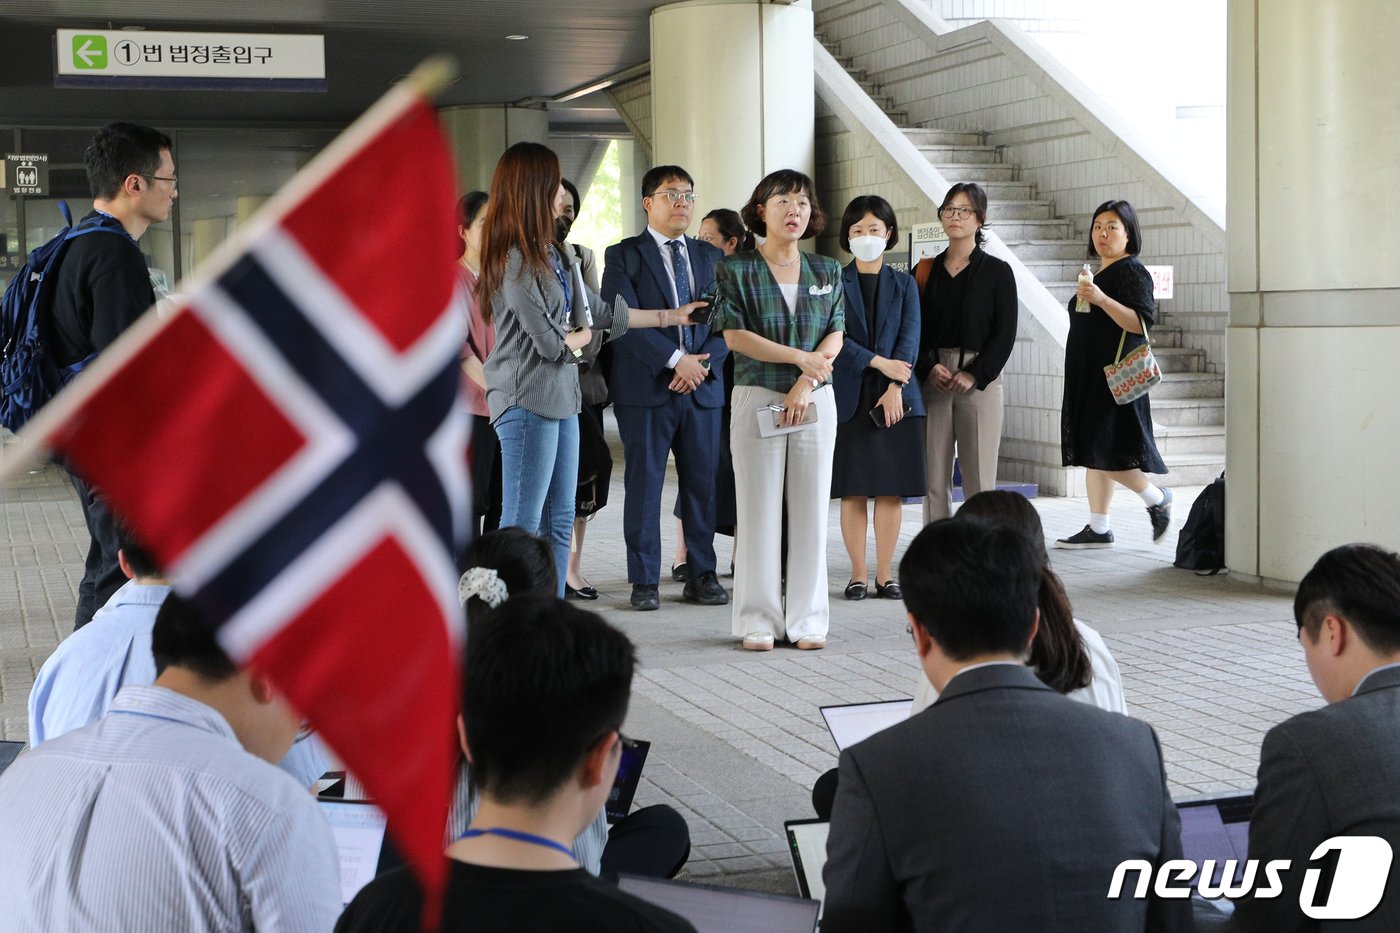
682	286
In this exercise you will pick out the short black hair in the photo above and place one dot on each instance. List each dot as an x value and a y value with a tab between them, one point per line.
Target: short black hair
972	586
573	193
1125	213
784	181
868	204
118	151
140	561
543	681
659	174
182	638
977	196
523	561
1360	583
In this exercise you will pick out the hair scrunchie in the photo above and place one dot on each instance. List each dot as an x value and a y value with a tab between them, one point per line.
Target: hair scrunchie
483	583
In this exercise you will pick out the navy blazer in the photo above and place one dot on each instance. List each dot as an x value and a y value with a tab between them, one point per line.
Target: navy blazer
896	337
639	374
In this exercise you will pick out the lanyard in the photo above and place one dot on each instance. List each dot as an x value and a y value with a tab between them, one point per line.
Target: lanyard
518	836
558	267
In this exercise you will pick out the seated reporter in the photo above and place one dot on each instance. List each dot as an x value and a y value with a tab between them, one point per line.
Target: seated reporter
545	690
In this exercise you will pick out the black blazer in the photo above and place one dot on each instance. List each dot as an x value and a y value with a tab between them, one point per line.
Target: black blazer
896	337
989	317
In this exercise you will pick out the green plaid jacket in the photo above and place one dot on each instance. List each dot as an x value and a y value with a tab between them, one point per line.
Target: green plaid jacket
749	299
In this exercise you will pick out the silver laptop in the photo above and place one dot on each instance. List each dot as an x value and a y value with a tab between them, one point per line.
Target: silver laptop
855	722
713	909
359	830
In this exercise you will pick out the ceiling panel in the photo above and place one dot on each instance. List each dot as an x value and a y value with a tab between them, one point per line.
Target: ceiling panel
368	44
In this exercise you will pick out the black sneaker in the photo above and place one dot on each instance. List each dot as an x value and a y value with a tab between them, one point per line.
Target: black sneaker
645	597
705	590
1088	538
1161	515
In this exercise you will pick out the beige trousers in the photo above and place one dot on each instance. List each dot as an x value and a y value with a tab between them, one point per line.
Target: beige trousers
798	466
969	423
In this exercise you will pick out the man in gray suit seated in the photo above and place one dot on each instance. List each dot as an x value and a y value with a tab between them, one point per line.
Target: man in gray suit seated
1335	771
1003	806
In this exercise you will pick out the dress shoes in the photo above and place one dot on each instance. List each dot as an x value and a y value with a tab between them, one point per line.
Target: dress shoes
645	597
680	572
705	590
583	592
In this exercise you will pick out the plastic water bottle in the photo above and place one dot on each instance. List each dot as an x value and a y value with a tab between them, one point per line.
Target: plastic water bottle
1082	305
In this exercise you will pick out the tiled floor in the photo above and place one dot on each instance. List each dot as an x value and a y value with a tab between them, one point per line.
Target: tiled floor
736	736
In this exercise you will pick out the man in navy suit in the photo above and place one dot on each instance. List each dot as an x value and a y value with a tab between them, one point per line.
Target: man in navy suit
667	389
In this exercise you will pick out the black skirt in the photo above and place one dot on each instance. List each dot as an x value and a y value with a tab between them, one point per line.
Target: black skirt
875	461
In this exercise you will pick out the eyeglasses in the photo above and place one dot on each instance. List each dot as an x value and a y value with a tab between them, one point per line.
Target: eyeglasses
956	213
171	179
675	197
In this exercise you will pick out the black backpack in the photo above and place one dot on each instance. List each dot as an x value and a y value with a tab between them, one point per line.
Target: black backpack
29	377
1201	544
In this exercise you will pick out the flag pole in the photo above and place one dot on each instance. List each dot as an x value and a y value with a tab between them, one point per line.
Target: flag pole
429	79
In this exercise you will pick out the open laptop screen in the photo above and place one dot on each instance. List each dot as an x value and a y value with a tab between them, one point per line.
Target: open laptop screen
1217	829
725	910
359	837
856	722
807	846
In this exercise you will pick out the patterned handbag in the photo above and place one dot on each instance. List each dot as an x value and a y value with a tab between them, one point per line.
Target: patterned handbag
1133	376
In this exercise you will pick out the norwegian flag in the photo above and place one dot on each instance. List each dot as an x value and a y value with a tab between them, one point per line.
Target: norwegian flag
290	445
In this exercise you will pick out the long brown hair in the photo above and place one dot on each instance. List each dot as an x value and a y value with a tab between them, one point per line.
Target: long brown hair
521	216
1058	655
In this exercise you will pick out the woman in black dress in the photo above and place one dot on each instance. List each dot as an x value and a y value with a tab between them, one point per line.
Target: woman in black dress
1114	442
880	414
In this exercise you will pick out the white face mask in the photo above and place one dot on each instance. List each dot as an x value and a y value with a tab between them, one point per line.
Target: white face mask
868	248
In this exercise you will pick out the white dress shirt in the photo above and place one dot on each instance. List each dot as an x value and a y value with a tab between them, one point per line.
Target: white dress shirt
155	818
662	242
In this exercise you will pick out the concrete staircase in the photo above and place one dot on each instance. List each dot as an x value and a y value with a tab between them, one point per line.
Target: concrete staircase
1188	407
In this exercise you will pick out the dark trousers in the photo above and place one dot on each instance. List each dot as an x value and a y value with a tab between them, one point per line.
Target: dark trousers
653	842
648	436
486	476
102	574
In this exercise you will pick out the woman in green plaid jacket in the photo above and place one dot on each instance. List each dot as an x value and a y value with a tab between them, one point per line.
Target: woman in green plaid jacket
782	312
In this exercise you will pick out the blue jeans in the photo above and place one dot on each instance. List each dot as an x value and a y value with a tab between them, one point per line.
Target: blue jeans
539	478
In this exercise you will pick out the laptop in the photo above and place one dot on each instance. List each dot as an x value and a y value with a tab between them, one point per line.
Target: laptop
855	722
807	848
712	909
9	751
359	830
629	775
1216	828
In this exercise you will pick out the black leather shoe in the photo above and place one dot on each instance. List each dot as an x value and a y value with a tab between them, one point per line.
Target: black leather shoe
705	590
583	592
680	572
645	597
889	590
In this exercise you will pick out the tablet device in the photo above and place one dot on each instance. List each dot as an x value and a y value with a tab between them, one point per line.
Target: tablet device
1216	828
855	722
712	909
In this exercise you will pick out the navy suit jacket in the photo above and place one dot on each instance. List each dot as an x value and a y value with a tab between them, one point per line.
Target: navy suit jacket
896	337
639	374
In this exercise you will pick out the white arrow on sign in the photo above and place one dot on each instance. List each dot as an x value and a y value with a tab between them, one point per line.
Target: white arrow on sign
86	52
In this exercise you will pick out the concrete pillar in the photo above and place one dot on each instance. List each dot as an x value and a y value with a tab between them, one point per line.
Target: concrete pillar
478	136
1314	424
732	94
632	165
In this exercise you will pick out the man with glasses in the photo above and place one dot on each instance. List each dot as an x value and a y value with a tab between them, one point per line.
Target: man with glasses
104	286
667	390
